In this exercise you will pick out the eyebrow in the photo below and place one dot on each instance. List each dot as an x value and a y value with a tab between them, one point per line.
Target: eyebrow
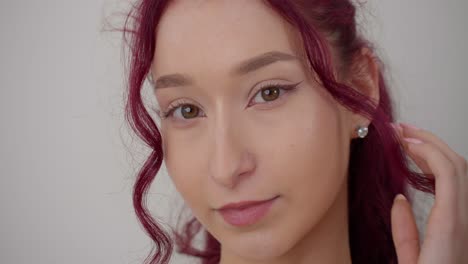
247	66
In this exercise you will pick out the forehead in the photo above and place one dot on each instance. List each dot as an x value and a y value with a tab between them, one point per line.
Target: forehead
206	36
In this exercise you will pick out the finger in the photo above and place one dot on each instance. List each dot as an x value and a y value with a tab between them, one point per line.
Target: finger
404	231
414	132
443	170
421	163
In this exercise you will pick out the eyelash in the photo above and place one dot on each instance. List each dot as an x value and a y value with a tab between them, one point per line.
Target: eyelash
285	87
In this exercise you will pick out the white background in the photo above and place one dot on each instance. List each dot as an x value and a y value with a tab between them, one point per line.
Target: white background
67	163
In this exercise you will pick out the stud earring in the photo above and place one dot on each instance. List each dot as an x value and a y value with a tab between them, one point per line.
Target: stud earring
362	131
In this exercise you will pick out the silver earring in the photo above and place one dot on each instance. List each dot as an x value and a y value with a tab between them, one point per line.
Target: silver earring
362	131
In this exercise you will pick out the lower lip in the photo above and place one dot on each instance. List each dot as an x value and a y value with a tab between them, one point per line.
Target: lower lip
247	216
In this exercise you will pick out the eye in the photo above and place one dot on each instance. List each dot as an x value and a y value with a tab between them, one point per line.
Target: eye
182	110
188	111
269	93
185	110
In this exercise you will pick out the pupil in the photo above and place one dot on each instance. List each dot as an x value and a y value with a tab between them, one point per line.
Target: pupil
188	112
270	94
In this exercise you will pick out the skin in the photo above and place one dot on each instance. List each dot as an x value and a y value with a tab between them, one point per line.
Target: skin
446	237
239	146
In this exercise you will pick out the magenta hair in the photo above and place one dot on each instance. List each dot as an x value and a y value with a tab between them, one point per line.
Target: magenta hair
378	167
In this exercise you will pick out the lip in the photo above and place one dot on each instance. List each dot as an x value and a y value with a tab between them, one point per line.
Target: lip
246	212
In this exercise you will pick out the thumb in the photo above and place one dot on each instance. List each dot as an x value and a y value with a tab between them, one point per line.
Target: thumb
404	231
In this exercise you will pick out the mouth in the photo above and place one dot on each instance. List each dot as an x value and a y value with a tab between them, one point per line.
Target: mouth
246	212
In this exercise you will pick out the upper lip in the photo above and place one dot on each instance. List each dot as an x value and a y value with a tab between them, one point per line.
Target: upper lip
244	204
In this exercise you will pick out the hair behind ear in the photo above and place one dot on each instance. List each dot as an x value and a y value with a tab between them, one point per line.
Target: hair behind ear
363	74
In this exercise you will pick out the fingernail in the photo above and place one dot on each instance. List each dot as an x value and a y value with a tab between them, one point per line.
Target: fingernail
413	140
410	126
400	197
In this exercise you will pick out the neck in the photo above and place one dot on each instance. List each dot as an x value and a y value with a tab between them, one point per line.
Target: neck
327	242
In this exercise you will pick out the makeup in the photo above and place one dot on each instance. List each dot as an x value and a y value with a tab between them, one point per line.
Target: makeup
246	213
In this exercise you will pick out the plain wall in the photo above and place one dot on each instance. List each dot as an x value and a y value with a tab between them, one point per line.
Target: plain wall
67	162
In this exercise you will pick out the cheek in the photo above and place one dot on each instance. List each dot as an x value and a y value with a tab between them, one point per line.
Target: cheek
315	157
315	152
307	147
317	167
304	152
182	159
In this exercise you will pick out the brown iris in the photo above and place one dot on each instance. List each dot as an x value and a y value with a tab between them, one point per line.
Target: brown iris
270	94
189	111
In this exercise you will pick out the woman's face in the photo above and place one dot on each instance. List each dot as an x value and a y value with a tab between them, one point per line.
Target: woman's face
231	142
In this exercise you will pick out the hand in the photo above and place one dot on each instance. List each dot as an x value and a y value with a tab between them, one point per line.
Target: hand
446	235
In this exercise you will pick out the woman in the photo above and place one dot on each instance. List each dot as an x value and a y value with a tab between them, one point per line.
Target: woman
277	130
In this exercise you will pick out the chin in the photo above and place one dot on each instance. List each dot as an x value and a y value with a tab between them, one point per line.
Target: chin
258	245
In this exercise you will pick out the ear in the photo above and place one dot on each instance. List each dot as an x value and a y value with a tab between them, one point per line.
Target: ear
364	77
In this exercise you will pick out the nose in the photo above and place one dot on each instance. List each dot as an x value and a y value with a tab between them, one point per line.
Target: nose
230	160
